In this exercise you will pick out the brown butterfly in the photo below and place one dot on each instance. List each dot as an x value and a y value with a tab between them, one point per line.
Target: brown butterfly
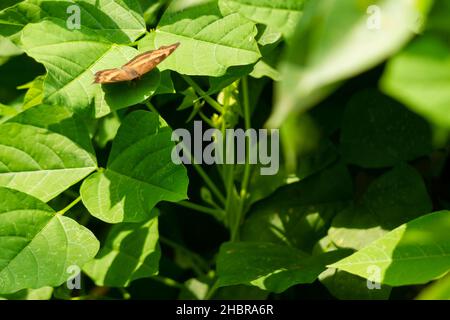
137	67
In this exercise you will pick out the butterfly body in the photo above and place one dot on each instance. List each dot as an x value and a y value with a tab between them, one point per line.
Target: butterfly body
136	67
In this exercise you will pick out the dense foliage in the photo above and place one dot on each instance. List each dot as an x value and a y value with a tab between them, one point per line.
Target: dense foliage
92	205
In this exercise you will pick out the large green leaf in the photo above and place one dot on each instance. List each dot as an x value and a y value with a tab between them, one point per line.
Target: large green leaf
439	290
346	286
334	41
300	213
395	198
210	43
72	57
419	77
379	132
139	174
44	151
414	253
131	251
268	266
8	50
37	245
120	21
280	15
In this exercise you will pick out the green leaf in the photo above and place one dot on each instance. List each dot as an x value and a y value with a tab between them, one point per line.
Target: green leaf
300	213
346	286
439	290
336	40
419	76
281	15
210	43
44	293
130	252
72	57
139	174
37	245
166	84
120	21
44	151
395	198
414	253
379	132
8	49
107	128
268	266
35	93
438	18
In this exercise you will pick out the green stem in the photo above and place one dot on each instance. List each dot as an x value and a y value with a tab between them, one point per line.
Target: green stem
195	258
70	206
216	213
213	103
246	179
212	290
208	181
247	168
151	107
168	282
125	294
206	119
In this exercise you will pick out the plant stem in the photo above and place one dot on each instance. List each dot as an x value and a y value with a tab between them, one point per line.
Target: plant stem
151	107
234	227
212	290
205	118
246	178
213	103
214	212
195	258
168	282
70	206
208	181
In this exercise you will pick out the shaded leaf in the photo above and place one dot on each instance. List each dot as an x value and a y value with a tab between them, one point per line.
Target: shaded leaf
300	213
130	252
379	132
395	198
268	266
419	76
336	40
414	253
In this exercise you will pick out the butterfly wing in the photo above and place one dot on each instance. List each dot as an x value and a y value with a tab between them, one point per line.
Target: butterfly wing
147	61
112	76
137	67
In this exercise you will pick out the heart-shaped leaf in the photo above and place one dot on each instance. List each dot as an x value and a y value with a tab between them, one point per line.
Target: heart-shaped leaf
210	43
44	151
139	174
395	198
120	21
72	57
37	246
131	251
414	253
280	15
